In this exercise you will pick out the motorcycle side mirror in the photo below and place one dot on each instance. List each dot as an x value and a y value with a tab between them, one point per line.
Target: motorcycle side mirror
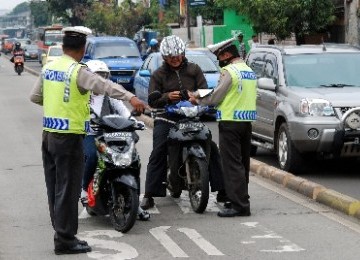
153	96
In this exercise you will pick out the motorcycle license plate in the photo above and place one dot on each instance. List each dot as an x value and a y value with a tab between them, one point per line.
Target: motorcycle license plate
190	125
118	135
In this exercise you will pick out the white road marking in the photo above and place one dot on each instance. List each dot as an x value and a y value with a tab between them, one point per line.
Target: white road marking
124	251
269	234
205	245
307	203
160	234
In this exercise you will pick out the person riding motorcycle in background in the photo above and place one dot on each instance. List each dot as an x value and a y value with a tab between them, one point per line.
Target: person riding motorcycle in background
173	80
100	105
17	51
154	46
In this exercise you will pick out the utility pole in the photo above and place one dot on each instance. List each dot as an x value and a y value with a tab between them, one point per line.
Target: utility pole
188	19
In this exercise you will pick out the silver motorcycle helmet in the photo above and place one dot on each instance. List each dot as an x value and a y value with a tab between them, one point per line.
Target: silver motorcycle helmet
172	46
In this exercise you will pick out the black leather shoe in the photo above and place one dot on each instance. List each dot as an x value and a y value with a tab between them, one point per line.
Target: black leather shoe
76	249
82	242
234	213
147	203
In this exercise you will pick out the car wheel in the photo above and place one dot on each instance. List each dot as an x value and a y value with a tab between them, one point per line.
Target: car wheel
289	158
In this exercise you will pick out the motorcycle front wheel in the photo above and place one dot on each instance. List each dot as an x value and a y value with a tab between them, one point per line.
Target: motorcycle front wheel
199	183
123	213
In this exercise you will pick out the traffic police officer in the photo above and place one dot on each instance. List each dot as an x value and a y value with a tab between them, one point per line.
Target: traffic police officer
63	89
235	98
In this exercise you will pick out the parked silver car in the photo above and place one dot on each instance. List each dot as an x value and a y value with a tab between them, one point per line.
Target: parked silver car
308	101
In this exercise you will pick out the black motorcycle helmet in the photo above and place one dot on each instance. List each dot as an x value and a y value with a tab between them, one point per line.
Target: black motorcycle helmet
17	45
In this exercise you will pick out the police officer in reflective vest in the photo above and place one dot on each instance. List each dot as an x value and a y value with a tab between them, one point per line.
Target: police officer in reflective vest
63	89
235	99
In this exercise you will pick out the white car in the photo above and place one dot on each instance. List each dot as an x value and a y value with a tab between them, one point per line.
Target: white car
54	52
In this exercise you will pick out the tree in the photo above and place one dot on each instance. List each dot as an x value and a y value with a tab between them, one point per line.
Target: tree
284	17
124	20
40	13
20	8
71	11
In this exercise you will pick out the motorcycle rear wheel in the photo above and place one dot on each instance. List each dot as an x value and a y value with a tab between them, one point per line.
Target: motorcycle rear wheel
123	215
199	186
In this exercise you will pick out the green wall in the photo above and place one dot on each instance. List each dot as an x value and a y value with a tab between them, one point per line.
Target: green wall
232	23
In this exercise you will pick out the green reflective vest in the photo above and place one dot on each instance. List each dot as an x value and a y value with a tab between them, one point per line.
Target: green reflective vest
66	110
239	103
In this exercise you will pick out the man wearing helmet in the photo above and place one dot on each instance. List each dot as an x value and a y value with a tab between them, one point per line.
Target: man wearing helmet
235	98
154	46
17	51
63	89
173	80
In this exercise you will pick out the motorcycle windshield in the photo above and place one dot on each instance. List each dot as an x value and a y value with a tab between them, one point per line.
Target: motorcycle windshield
185	108
116	122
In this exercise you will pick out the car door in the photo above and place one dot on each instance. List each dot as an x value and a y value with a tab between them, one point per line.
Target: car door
267	99
264	65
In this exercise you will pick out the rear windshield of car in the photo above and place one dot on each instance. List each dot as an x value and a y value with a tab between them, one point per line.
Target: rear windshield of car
55	52
314	70
116	50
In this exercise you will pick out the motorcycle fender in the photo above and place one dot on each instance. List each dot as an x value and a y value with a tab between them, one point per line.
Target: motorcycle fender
197	151
128	180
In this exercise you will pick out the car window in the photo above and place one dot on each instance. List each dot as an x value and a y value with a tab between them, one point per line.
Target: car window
204	62
270	67
314	70
256	62
116	49
88	49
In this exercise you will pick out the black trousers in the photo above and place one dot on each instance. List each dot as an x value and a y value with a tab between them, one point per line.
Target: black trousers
63	161
157	166
235	145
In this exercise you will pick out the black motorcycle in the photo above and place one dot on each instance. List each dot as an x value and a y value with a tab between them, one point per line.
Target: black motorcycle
192	139
115	187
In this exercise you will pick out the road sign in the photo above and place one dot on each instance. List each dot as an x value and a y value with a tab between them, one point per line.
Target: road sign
196	3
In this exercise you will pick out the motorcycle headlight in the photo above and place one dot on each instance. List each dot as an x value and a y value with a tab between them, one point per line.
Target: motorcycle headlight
316	107
121	159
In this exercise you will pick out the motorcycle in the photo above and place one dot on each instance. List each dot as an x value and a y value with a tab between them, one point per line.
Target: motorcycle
115	188
192	139
19	64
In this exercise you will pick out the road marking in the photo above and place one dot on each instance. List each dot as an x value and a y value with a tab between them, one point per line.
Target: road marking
308	203
167	242
205	245
285	244
95	239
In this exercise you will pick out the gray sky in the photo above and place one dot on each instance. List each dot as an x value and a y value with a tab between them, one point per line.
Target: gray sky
10	4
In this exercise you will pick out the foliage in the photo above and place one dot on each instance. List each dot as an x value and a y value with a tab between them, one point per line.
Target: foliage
20	8
283	17
71	11
40	13
125	20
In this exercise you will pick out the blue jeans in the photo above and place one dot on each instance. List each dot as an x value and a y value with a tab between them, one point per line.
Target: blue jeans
90	160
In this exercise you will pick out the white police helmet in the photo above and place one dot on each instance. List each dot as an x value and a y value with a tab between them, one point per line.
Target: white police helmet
172	46
98	67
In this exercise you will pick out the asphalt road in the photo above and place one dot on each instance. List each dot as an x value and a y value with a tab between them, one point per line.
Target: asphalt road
283	225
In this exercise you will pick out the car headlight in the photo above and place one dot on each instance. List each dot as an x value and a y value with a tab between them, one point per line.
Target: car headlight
316	107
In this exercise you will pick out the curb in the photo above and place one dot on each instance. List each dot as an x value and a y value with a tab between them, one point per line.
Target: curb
314	191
